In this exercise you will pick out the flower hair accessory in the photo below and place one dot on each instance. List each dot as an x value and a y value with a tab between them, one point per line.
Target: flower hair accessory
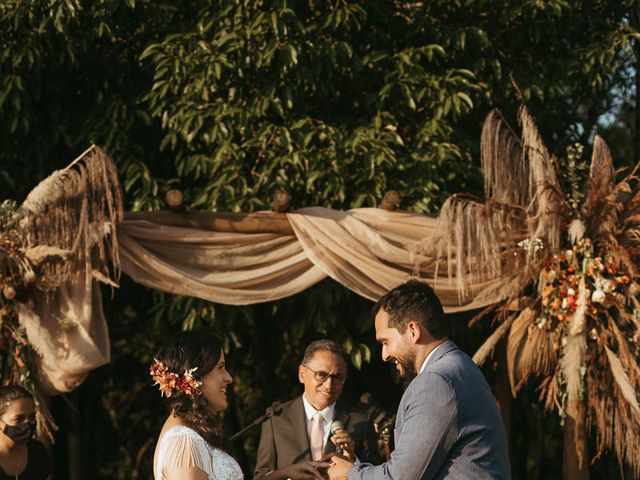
171	382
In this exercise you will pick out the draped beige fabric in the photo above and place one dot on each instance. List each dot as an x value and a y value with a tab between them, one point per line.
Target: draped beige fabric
69	331
367	250
77	210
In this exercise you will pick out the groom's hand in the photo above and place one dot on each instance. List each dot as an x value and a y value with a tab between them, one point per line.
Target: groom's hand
340	468
346	442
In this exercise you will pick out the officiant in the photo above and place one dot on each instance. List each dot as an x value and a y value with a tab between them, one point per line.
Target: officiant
302	433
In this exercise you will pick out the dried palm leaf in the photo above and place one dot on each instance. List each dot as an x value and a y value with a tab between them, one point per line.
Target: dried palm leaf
601	174
546	210
486	349
506	174
572	362
39	253
473	236
75	210
529	351
622	380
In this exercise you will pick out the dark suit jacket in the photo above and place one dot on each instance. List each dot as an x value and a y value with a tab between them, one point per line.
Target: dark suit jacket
284	439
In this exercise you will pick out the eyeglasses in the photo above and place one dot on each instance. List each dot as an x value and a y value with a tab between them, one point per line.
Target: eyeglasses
322	377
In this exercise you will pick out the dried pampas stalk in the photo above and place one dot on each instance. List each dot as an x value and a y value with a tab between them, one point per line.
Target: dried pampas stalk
572	361
576	327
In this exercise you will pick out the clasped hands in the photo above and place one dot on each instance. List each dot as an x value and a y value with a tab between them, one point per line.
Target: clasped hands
331	466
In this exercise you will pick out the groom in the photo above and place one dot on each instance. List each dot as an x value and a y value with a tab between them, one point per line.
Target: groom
448	425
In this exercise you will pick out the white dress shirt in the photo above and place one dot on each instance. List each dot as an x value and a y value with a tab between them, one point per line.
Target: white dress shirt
424	364
327	416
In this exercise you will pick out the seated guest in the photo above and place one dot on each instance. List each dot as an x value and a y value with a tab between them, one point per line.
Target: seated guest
293	441
21	457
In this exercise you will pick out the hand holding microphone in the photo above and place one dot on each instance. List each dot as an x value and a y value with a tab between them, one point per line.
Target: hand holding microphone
345	445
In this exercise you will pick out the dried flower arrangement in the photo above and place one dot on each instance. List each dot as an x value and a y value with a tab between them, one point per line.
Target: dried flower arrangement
564	259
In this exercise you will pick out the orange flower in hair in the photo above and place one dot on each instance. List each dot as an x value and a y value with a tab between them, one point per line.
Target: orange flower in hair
170	382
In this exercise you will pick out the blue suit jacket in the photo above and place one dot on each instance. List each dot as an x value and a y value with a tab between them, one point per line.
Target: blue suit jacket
447	426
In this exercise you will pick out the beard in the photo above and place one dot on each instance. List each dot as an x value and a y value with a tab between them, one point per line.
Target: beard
408	372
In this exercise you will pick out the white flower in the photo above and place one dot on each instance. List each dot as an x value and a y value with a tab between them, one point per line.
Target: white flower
568	255
528	244
571	292
609	286
598	296
565	303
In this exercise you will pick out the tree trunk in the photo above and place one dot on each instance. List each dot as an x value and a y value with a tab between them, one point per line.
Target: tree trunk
575	460
74	438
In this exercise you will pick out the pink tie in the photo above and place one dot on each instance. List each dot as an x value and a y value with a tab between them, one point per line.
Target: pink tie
317	436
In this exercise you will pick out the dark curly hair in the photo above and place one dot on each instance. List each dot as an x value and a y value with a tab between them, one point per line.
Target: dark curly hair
188	350
414	301
10	393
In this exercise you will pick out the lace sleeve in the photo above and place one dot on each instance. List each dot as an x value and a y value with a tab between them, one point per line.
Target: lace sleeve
184	457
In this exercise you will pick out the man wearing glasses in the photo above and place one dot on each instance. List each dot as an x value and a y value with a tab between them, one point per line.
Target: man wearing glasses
293	442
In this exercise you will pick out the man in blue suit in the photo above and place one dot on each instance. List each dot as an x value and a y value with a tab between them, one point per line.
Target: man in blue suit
447	425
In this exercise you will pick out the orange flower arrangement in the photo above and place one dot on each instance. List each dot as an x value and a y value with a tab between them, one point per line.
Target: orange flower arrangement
170	382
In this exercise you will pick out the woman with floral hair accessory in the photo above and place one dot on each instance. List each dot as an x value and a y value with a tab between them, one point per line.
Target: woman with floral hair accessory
192	378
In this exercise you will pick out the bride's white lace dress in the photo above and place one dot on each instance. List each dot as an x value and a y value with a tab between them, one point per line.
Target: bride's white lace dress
182	447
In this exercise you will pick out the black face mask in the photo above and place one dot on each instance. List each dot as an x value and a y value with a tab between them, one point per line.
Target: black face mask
20	433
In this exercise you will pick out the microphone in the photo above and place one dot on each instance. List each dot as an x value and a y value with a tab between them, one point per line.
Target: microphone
335	427
275	409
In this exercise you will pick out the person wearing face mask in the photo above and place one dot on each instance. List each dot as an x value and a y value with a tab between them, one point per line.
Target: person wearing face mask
191	374
294	442
21	457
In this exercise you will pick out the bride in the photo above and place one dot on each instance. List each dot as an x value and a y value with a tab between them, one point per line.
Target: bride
191	374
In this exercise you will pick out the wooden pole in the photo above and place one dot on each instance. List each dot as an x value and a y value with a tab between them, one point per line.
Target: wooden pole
174	200
390	201
281	201
575	459
259	222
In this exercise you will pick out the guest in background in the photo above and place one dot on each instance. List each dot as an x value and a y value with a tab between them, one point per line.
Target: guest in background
21	457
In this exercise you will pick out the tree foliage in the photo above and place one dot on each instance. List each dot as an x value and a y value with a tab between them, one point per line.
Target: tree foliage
335	102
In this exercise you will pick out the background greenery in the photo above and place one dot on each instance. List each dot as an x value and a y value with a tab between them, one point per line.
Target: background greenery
334	101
